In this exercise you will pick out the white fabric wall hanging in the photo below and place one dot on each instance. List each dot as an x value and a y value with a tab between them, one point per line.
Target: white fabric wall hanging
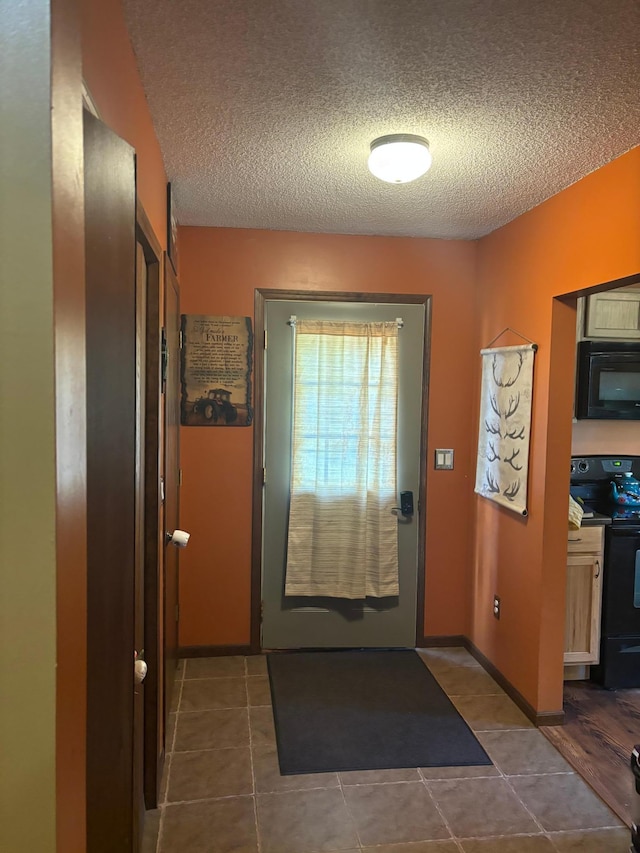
505	425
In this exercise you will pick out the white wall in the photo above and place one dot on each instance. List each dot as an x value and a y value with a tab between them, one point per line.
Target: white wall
27	449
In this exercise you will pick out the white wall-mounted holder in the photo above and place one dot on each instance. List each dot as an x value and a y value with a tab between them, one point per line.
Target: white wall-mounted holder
179	538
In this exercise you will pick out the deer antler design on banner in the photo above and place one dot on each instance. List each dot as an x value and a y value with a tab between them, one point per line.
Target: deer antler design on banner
505	425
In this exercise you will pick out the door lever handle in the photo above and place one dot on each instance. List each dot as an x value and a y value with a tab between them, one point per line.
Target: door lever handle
405	509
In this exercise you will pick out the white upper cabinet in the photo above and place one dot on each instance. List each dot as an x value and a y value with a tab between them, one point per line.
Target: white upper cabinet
613	314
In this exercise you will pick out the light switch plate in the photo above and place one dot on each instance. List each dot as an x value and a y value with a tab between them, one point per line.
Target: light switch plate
444	460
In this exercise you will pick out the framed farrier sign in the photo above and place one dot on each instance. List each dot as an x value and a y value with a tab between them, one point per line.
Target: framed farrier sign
216	370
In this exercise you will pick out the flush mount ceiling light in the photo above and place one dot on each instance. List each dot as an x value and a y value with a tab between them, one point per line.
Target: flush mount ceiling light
399	157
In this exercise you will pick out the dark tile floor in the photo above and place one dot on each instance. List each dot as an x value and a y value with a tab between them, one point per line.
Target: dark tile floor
223	792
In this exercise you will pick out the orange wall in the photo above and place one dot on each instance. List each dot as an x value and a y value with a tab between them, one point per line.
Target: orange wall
220	268
586	235
111	75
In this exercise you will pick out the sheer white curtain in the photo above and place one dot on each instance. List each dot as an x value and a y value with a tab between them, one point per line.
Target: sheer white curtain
343	535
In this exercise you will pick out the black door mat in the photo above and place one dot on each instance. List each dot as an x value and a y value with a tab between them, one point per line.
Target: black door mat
364	710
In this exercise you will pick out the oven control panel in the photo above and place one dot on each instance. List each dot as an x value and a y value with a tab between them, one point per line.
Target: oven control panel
579	466
601	467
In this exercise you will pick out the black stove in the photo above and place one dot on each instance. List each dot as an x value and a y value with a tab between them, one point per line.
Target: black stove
591	478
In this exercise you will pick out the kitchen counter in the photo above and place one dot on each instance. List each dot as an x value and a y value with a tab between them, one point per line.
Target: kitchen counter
596	519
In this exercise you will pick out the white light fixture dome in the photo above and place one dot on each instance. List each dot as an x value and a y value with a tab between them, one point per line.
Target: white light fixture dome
399	157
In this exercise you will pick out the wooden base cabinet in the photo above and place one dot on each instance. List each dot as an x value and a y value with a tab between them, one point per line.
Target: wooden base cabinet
584	596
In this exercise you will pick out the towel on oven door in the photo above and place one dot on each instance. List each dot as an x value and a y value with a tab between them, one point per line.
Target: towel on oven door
575	514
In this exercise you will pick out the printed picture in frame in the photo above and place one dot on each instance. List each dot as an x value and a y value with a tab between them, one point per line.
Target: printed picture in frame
172	232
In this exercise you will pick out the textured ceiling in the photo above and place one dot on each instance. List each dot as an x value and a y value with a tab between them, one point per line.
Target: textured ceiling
265	108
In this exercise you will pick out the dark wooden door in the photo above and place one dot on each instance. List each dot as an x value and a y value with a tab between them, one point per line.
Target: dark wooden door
153	521
109	174
140	555
172	476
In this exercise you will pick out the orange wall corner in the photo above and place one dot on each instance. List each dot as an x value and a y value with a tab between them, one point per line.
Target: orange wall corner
582	237
111	75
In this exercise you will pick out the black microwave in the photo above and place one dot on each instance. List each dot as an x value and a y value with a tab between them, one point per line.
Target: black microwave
608	380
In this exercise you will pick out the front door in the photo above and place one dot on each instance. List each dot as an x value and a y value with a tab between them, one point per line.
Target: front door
307	622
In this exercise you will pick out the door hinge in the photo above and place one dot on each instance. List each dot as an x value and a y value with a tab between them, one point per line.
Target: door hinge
261	611
177	612
164	360
265	338
180	338
179	476
264	476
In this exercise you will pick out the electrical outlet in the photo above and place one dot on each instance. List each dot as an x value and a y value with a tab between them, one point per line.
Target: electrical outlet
496	606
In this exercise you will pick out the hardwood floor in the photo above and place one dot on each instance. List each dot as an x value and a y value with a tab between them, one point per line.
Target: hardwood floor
601	728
